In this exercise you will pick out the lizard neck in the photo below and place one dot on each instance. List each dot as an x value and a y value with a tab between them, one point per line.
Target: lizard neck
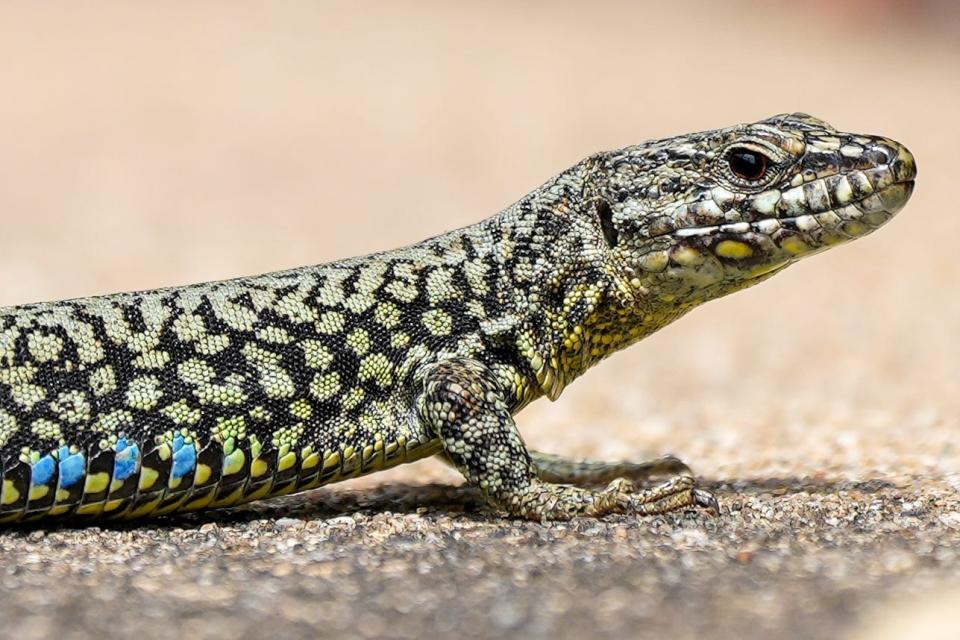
592	320
560	294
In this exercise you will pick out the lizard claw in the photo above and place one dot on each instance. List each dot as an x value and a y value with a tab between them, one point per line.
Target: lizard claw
705	499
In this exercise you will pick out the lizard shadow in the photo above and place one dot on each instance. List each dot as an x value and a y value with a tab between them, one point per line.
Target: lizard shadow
464	501
405	499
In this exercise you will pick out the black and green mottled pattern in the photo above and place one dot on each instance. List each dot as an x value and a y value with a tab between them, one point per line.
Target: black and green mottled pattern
209	395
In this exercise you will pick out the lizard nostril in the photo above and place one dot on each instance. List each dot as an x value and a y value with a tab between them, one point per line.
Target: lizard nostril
879	155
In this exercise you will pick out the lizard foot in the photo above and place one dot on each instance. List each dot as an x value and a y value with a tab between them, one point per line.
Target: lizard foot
674	494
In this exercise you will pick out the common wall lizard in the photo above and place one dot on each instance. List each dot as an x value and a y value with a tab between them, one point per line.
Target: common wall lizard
206	396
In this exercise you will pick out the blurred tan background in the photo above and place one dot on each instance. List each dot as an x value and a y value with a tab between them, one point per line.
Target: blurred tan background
153	144
145	145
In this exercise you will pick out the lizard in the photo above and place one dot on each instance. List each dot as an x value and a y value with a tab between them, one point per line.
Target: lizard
211	395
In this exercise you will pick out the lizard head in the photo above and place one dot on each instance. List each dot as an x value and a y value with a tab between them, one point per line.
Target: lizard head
695	217
669	224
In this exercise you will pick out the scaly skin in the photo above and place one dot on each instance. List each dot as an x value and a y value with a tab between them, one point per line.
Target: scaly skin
210	395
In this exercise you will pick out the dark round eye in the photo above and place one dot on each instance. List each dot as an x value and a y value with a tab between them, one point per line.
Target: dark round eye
747	164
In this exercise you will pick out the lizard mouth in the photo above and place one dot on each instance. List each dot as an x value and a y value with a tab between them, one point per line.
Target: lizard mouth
825	228
742	251
769	227
751	250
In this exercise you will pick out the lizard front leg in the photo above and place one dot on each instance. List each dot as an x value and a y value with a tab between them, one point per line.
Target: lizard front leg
462	403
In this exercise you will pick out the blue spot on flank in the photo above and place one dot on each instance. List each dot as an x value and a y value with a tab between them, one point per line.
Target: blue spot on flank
43	470
127	460
184	459
72	468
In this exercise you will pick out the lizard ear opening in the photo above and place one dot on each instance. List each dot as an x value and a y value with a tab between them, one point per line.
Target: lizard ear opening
610	233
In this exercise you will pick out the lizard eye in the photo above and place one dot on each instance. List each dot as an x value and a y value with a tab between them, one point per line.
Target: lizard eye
747	164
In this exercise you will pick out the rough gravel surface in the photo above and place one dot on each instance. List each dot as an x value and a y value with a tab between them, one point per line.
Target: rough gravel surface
811	556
